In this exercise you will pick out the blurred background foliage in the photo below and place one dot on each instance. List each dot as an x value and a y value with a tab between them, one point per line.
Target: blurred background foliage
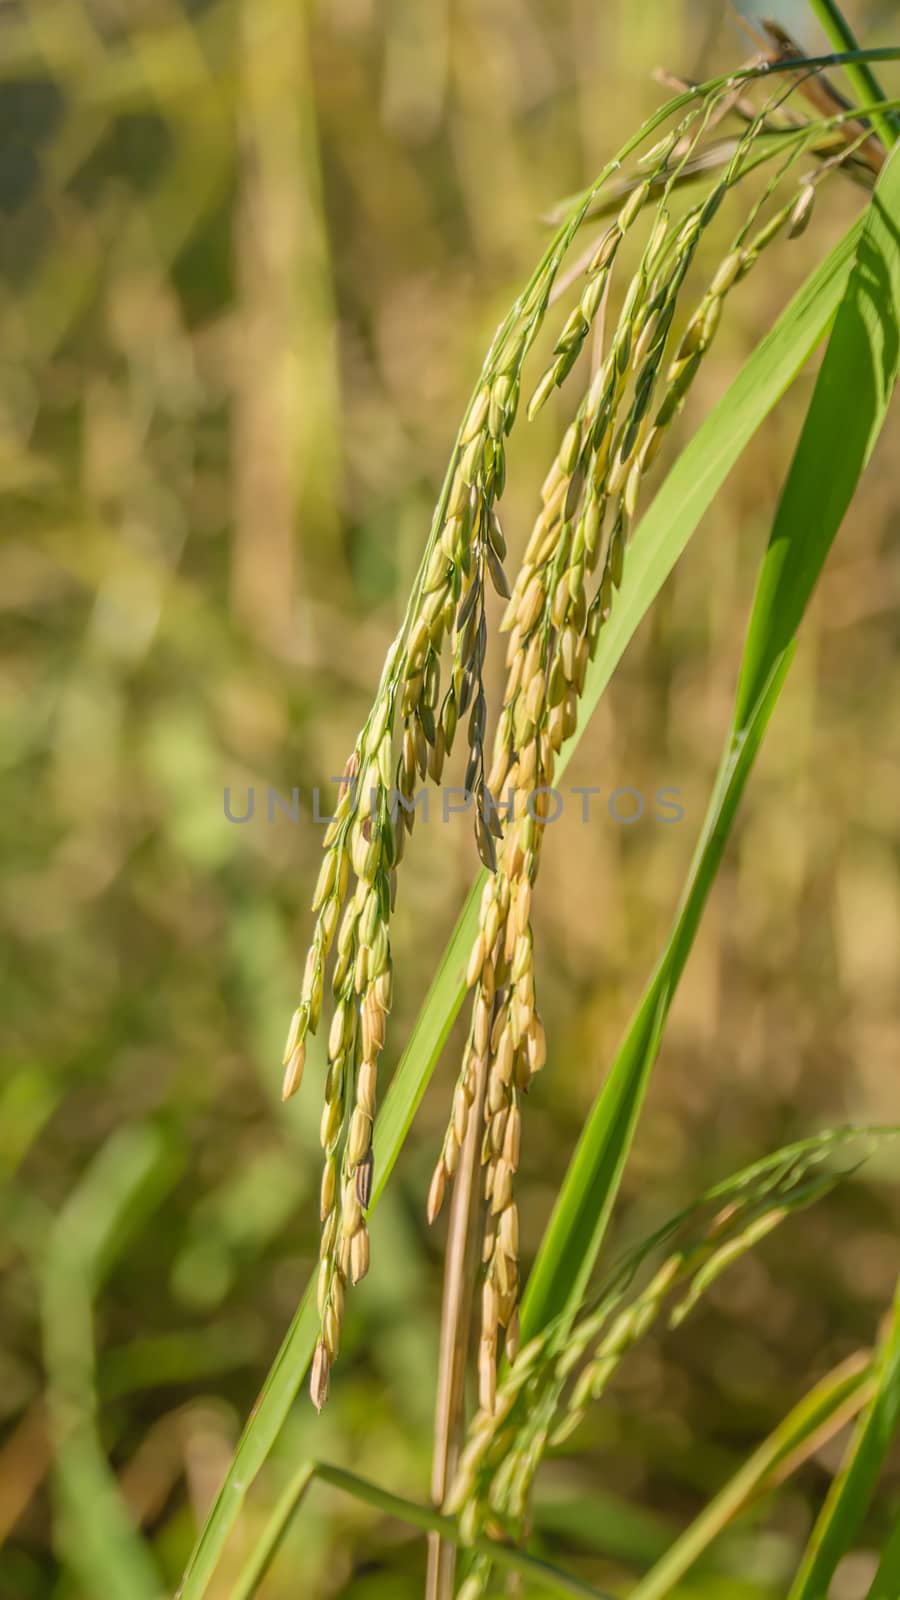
251	253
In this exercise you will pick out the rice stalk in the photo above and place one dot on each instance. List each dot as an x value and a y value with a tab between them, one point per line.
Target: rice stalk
563	593
553	630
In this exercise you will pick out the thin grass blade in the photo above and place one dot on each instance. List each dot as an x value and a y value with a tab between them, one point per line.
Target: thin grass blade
269	1543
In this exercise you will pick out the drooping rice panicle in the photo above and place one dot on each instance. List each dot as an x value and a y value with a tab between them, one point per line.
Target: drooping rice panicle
553	632
562	595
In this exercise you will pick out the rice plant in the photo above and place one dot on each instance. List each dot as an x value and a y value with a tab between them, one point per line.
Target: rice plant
740	160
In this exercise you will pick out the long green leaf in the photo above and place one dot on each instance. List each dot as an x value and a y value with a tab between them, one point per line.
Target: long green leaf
844	419
660	539
839	1523
841	1391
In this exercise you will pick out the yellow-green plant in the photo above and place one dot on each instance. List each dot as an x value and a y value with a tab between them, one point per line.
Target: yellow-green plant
591	569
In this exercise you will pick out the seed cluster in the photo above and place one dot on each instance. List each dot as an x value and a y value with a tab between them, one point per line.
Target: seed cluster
376	811
554	617
563	594
547	1390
